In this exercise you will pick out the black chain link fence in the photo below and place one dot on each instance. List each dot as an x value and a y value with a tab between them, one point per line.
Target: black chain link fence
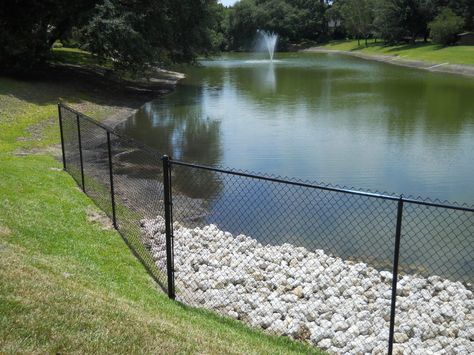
120	175
348	271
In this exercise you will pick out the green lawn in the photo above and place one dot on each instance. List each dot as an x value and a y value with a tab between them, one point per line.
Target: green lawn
67	285
427	52
76	56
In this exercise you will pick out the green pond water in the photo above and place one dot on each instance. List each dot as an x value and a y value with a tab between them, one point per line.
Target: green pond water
325	118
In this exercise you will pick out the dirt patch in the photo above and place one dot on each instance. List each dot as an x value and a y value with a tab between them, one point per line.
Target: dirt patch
113	101
36	131
35	134
98	217
5	231
119	115
54	150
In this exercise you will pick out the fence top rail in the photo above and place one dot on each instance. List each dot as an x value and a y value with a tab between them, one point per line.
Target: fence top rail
325	188
110	130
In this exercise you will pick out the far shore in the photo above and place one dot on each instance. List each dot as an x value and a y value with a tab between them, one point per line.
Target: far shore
466	70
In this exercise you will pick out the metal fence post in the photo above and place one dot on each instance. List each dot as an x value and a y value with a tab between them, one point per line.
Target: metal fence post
80	151
396	257
168	225
111	176
60	117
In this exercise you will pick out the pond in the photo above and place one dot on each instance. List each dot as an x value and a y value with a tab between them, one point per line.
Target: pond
325	118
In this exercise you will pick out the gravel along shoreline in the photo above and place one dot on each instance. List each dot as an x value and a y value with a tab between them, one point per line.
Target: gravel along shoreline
339	306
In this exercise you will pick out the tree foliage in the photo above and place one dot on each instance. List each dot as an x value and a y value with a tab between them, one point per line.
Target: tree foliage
358	17
445	27
28	28
133	34
139	35
402	20
298	20
293	20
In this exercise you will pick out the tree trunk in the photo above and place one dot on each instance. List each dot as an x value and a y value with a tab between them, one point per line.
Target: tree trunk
358	41
366	42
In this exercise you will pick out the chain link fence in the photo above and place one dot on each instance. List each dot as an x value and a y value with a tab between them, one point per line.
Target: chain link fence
120	175
346	270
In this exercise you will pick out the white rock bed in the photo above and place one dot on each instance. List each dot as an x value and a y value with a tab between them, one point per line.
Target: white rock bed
340	306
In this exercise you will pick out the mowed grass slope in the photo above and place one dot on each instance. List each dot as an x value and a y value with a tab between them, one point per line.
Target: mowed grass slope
67	285
427	52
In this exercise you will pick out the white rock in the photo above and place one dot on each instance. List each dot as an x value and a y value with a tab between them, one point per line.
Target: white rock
400	337
319	333
386	276
338	305
325	343
339	340
298	292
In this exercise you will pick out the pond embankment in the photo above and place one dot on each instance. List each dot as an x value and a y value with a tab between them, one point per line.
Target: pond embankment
125	96
466	70
337	305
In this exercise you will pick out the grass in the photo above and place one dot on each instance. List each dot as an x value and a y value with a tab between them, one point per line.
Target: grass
76	56
66	284
427	52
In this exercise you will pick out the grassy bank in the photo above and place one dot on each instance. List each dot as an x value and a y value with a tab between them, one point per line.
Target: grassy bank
426	52
76	56
67	283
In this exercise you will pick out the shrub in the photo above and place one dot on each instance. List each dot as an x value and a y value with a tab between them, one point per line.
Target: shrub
445	27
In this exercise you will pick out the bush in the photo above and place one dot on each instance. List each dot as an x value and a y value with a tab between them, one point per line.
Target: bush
445	27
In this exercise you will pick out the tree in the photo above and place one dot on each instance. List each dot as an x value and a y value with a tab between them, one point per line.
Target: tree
399	20
220	30
135	35
243	24
140	35
28	28
293	20
313	19
445	27
358	17
462	8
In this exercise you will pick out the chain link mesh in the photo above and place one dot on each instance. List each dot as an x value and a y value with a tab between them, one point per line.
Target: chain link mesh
136	177
139	198
286	258
71	144
313	262
96	165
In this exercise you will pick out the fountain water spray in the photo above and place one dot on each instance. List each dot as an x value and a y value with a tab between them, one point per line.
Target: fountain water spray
269	41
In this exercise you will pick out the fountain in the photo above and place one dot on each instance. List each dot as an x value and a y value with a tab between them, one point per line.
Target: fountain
268	40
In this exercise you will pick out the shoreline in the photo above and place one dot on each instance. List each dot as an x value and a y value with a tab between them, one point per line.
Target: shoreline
159	86
459	69
126	96
337	305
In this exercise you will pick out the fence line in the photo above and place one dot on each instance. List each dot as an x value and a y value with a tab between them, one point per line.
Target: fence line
137	183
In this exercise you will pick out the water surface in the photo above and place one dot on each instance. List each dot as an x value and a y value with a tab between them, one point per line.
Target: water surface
322	117
326	118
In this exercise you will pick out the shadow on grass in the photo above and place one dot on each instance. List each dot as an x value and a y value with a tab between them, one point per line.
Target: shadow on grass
52	83
408	46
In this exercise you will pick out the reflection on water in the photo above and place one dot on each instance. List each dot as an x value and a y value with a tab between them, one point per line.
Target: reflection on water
322	117
319	117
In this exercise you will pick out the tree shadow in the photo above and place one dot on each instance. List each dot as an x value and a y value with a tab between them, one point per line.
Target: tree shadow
407	46
73	84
